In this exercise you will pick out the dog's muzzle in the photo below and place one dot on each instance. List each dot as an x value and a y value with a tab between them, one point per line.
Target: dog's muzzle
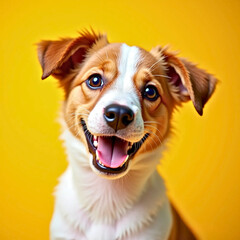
111	154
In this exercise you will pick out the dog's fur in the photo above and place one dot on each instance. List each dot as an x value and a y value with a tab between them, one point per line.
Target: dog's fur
131	203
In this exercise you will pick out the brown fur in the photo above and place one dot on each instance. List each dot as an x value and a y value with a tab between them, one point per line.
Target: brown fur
180	231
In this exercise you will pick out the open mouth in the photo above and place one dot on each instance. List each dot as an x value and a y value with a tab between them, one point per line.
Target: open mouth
111	154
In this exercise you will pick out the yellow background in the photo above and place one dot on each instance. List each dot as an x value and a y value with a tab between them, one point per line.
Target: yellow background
202	164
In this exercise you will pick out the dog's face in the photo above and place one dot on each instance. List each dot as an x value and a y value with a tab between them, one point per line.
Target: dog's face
120	99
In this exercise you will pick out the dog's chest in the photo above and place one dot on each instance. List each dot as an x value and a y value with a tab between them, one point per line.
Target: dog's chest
90	207
148	218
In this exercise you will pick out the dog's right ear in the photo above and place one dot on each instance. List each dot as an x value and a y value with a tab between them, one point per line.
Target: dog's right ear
58	58
186	80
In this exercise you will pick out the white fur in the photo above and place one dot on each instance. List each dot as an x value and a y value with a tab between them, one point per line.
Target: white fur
122	92
91	207
127	66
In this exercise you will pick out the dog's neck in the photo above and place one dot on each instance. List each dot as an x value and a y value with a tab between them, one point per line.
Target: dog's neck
108	200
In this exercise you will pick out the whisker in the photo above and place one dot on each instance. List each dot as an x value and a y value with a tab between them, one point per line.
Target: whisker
145	145
106	54
154	139
159	60
154	127
147	125
115	54
70	119
79	114
165	76
149	142
78	133
70	127
158	138
99	57
83	110
82	114
155	122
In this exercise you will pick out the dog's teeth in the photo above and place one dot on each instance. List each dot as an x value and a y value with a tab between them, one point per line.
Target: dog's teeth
94	138
124	160
97	156
95	143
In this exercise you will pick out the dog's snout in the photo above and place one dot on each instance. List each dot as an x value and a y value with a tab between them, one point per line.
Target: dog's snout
118	116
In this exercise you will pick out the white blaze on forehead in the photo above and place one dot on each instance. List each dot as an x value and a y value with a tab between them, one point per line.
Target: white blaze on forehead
127	66
123	92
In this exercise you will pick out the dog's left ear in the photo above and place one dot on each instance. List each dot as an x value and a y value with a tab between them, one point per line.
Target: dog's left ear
58	58
186	80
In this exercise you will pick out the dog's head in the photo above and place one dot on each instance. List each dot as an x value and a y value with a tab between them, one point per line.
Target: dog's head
120	99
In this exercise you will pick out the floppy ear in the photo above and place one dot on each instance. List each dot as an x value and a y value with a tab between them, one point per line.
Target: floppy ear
58	58
186	80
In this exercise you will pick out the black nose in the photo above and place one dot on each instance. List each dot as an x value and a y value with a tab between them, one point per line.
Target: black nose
118	116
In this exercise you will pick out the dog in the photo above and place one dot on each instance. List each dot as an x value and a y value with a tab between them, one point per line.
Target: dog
119	102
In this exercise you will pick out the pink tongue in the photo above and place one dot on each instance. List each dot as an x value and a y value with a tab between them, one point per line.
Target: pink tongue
112	151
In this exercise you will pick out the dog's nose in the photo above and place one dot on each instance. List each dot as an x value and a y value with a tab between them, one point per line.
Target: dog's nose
118	116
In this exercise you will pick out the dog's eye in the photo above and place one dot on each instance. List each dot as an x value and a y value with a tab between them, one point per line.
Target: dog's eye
95	81
151	93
